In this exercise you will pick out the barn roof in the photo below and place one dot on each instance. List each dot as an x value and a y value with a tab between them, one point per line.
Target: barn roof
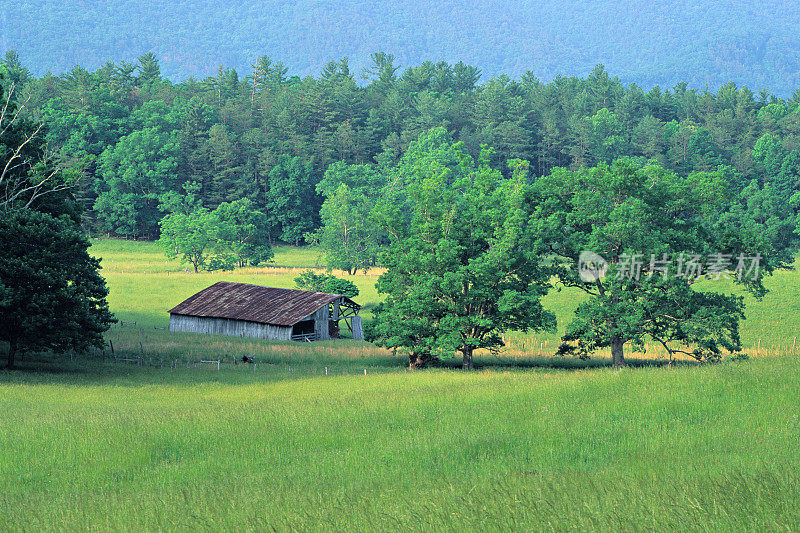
254	303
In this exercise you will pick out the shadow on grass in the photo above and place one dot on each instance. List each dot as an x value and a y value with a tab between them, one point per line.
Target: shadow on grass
561	363
94	369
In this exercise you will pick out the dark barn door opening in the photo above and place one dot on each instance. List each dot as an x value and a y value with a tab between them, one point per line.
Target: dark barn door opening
304	331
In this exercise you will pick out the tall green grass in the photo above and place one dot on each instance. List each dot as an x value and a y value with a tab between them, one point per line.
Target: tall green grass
112	448
305	439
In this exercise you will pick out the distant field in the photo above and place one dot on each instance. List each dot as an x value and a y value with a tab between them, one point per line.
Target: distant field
144	286
337	435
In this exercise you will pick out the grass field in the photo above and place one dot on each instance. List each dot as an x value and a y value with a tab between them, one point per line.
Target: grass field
144	286
529	442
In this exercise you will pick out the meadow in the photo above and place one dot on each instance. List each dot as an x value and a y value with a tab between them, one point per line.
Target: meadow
144	286
339	436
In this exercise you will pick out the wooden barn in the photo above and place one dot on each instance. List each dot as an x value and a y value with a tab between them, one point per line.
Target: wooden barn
260	312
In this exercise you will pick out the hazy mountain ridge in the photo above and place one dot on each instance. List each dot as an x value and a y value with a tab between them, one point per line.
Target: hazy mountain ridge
703	44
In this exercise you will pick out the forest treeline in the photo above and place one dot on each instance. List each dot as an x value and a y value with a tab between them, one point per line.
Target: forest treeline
269	136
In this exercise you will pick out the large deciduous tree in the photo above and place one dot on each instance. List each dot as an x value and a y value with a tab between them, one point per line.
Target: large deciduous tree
462	266
234	233
349	236
654	235
192	236
189	230
245	231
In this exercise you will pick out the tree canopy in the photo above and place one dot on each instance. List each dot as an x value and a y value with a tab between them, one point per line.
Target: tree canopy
311	153
51	294
233	234
645	237
311	281
349	235
462	263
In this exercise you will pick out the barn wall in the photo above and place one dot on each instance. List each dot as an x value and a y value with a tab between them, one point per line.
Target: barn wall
279	333
321	325
225	326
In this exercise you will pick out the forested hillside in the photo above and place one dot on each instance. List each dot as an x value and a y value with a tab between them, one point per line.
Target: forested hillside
650	43
287	144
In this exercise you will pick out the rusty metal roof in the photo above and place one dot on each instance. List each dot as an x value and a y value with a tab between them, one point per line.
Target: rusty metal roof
254	303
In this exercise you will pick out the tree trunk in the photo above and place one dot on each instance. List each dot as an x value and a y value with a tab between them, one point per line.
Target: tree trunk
12	350
467	365
617	355
419	360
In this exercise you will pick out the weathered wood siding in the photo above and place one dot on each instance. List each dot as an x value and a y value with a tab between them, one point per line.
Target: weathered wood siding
279	333
225	326
358	330
321	324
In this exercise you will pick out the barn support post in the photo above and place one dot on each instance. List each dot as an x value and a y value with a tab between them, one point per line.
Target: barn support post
357	329
322	323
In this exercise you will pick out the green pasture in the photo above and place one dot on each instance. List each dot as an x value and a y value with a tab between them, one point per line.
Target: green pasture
123	448
337	435
144	286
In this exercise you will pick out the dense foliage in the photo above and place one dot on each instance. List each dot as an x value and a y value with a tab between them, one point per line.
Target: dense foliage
653	43
271	137
653	235
52	296
231	235
463	261
311	281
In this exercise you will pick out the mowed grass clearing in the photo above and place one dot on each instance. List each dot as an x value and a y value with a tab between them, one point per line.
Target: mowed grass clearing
530	442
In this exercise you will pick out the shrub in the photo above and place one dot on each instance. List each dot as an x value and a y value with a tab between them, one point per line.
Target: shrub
311	281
